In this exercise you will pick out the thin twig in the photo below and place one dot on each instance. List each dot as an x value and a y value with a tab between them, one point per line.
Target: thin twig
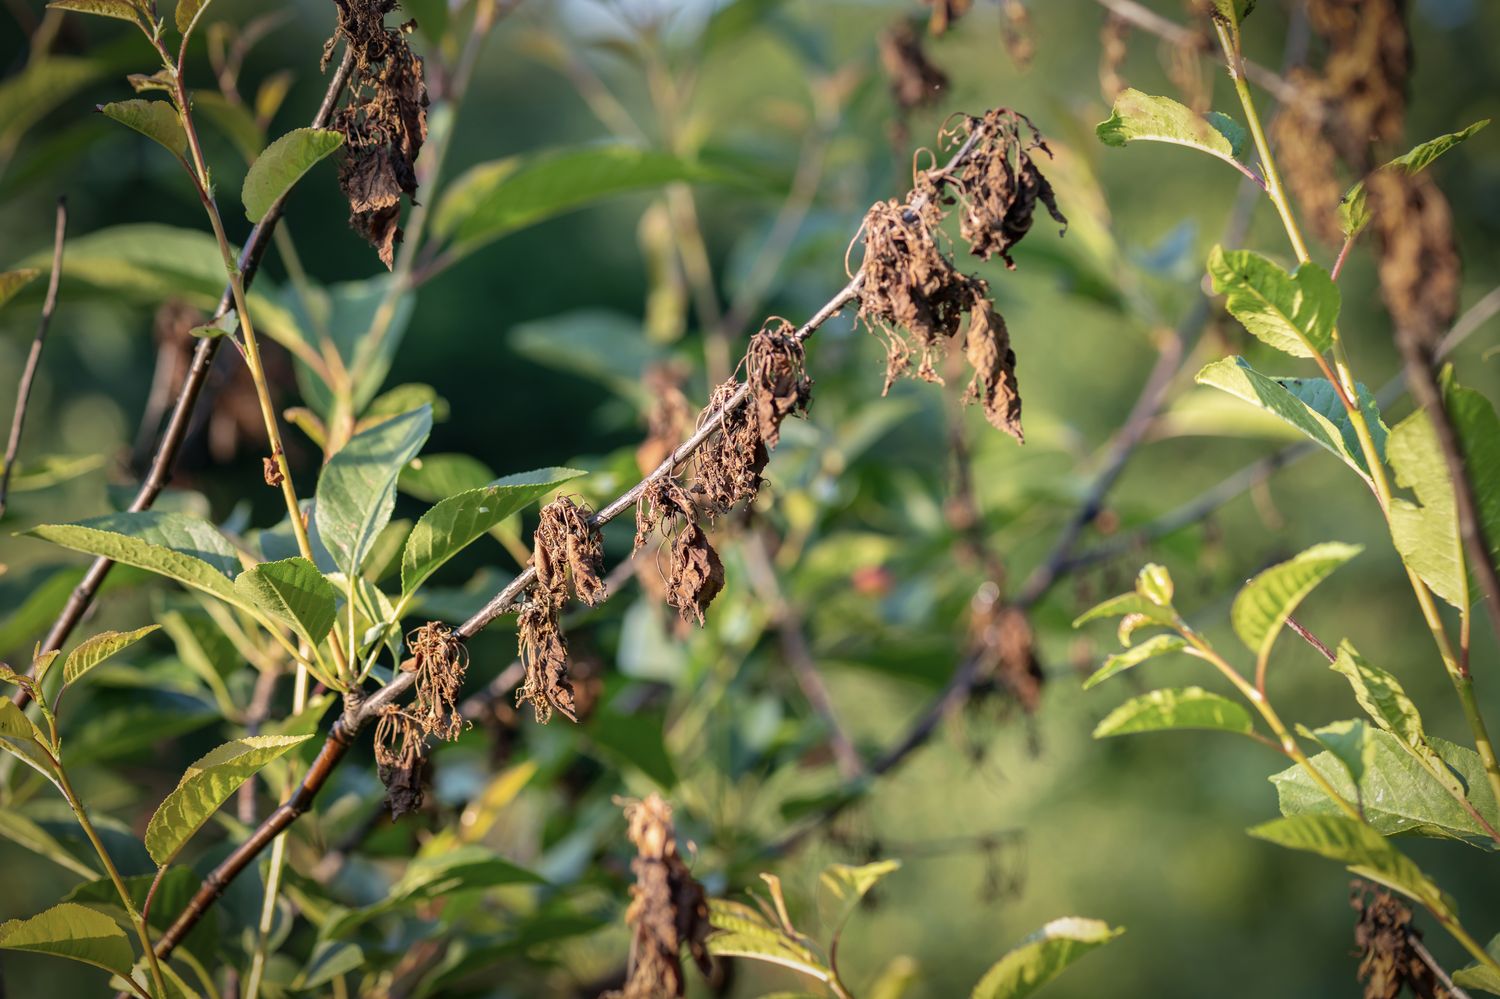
33	359
1310	639
83	595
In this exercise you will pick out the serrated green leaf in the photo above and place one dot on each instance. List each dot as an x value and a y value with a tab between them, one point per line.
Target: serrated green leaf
1481	976
841	887
1426	532
1310	405
1043	956
741	931
206	785
1157	645
125	10
157	120
186	549
1295	313
282	164
72	931
1354	211
99	648
493	199
1175	708
357	490
1384	700
1396	793
1262	606
294	592
1139	117
1363	850
13	281
456	522
187	10
13	722
1125	604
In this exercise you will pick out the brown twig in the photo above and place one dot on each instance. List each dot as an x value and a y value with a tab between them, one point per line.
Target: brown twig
83	595
34	358
1310	639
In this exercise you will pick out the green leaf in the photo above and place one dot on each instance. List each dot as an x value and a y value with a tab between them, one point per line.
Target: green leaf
635	740
357	490
1384	700
99	648
187	12
1354	212
1123	605
1042	956
1139	117
1478	430
1157	645
493	199
403	399
75	932
1481	976
1396	793
1311	405
434	477
1295	313
841	887
1263	604
157	120
1155	584
24	832
1175	708
13	281
1363	850
1233	11
292	591
456	522
1426	532
329	960
125	10
207	784
282	164
742	931
175	545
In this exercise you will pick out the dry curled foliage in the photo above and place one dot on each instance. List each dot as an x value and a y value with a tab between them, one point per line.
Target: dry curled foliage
384	121
1364	74
568	547
697	572
731	463
1306	157
1003	640
945	12
915	81
999	184
662	503
401	759
440	661
1389	959
777	373
1420	270
670	418
987	348
544	653
668	909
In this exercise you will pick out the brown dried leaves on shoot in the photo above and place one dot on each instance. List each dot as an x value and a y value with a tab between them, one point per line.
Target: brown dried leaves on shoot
944	13
731	463
987	348
544	653
1420	270
662	503
440	661
914	80
1389	959
1002	638
384	121
1306	158
401	759
670	418
1364	74
697	573
999	184
777	374
668	909
567	546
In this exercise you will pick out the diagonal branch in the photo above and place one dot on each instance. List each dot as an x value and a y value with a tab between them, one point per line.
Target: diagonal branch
33	359
172	438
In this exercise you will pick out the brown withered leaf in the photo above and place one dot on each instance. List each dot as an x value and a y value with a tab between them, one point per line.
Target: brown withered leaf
670	418
567	546
400	759
1307	159
944	13
1389	961
663	503
440	662
914	80
1003	639
1364	75
999	184
777	374
731	463
987	348
383	120
697	573
1420	269
668	908
544	652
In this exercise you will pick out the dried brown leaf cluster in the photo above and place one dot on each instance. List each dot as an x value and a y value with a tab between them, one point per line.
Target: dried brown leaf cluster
668	909
670	418
440	662
400	759
384	121
777	373
695	573
567	550
1306	157
1420	269
1002	638
732	462
987	348
999	184
915	81
1389	961
544	653
944	13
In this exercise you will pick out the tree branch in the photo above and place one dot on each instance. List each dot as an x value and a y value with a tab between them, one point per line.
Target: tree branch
33	359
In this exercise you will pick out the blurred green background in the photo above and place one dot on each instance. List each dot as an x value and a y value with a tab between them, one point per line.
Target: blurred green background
1145	832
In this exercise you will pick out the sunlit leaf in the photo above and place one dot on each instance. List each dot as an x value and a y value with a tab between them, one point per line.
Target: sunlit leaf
1176	708
292	591
157	120
1426	532
125	10
1363	850
1155	584
1139	117
1157	645
187	10
841	887
1354	211
742	931
1295	313
99	648
282	164
1263	604
1043	956
72	931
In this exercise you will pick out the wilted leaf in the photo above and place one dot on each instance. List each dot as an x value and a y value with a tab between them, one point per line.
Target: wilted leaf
99	648
156	120
1042	956
1362	849
1263	604
282	164
357	490
1295	313
1175	708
